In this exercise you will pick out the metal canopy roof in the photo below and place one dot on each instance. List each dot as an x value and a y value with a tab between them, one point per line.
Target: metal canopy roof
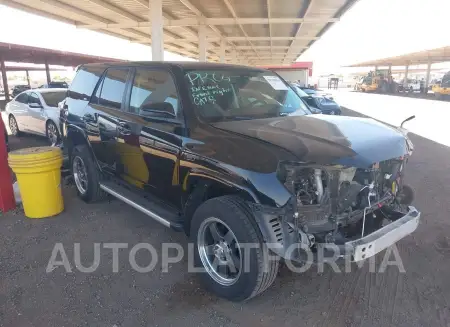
415	58
35	55
260	31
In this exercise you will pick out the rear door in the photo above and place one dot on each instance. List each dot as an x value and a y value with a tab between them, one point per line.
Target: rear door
102	117
19	108
149	134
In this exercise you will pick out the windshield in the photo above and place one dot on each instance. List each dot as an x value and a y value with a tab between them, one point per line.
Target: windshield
242	94
53	98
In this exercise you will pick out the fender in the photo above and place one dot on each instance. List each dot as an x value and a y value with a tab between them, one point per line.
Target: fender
200	185
75	135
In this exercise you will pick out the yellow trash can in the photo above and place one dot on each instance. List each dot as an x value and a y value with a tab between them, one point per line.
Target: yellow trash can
38	172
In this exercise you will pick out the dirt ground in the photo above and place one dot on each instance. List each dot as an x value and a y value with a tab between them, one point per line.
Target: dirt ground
31	297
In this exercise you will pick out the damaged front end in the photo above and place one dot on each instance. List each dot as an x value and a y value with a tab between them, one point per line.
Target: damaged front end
358	211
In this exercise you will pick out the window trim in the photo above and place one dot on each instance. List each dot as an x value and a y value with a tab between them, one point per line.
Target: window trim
37	95
77	70
25	93
180	120
100	84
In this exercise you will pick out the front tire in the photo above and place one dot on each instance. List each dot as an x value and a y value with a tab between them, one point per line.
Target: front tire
52	133
13	126
229	246
85	174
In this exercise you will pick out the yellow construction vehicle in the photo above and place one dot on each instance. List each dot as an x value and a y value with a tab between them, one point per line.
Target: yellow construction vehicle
379	81
442	90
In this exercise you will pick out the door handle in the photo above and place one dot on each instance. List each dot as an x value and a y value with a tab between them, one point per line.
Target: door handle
123	128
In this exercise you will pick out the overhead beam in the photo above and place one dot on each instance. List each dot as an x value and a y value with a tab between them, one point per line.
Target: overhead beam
88	15
76	11
116	10
201	21
297	33
233	13
193	22
34	11
265	47
255	38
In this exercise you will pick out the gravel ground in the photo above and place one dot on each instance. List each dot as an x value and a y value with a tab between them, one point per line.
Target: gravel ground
31	297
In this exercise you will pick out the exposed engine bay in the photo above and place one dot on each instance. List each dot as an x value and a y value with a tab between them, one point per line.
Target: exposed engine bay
335	202
337	210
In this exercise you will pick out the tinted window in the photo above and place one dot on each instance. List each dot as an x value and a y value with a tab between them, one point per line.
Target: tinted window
34	98
311	102
22	98
154	87
84	82
53	98
113	88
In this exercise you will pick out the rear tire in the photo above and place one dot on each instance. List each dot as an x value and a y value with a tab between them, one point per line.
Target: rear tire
86	174
233	215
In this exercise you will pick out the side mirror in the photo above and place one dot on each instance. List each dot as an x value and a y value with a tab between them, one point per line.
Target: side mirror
35	105
158	109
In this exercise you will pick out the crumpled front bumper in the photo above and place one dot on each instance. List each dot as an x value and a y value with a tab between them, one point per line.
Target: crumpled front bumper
384	237
377	241
294	245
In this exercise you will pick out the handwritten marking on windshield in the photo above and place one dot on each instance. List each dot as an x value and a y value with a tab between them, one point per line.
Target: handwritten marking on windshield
205	77
207	93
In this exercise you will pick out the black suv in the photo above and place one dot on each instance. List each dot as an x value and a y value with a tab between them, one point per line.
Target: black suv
231	156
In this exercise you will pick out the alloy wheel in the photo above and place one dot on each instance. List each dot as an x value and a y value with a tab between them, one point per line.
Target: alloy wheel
13	126
80	174
219	251
52	134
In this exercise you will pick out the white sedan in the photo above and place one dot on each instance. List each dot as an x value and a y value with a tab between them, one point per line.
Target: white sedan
36	111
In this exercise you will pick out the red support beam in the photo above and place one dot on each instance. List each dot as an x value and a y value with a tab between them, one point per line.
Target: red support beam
7	201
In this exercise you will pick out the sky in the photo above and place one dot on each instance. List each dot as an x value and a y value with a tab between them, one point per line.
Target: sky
371	29
374	29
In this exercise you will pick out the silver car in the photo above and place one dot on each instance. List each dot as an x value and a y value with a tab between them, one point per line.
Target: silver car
36	111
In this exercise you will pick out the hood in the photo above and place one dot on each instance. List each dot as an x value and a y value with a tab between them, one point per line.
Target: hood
349	141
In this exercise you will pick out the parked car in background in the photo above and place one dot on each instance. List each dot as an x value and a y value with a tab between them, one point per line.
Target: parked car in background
311	91
231	156
326	105
303	96
318	103
36	111
16	90
413	85
54	85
